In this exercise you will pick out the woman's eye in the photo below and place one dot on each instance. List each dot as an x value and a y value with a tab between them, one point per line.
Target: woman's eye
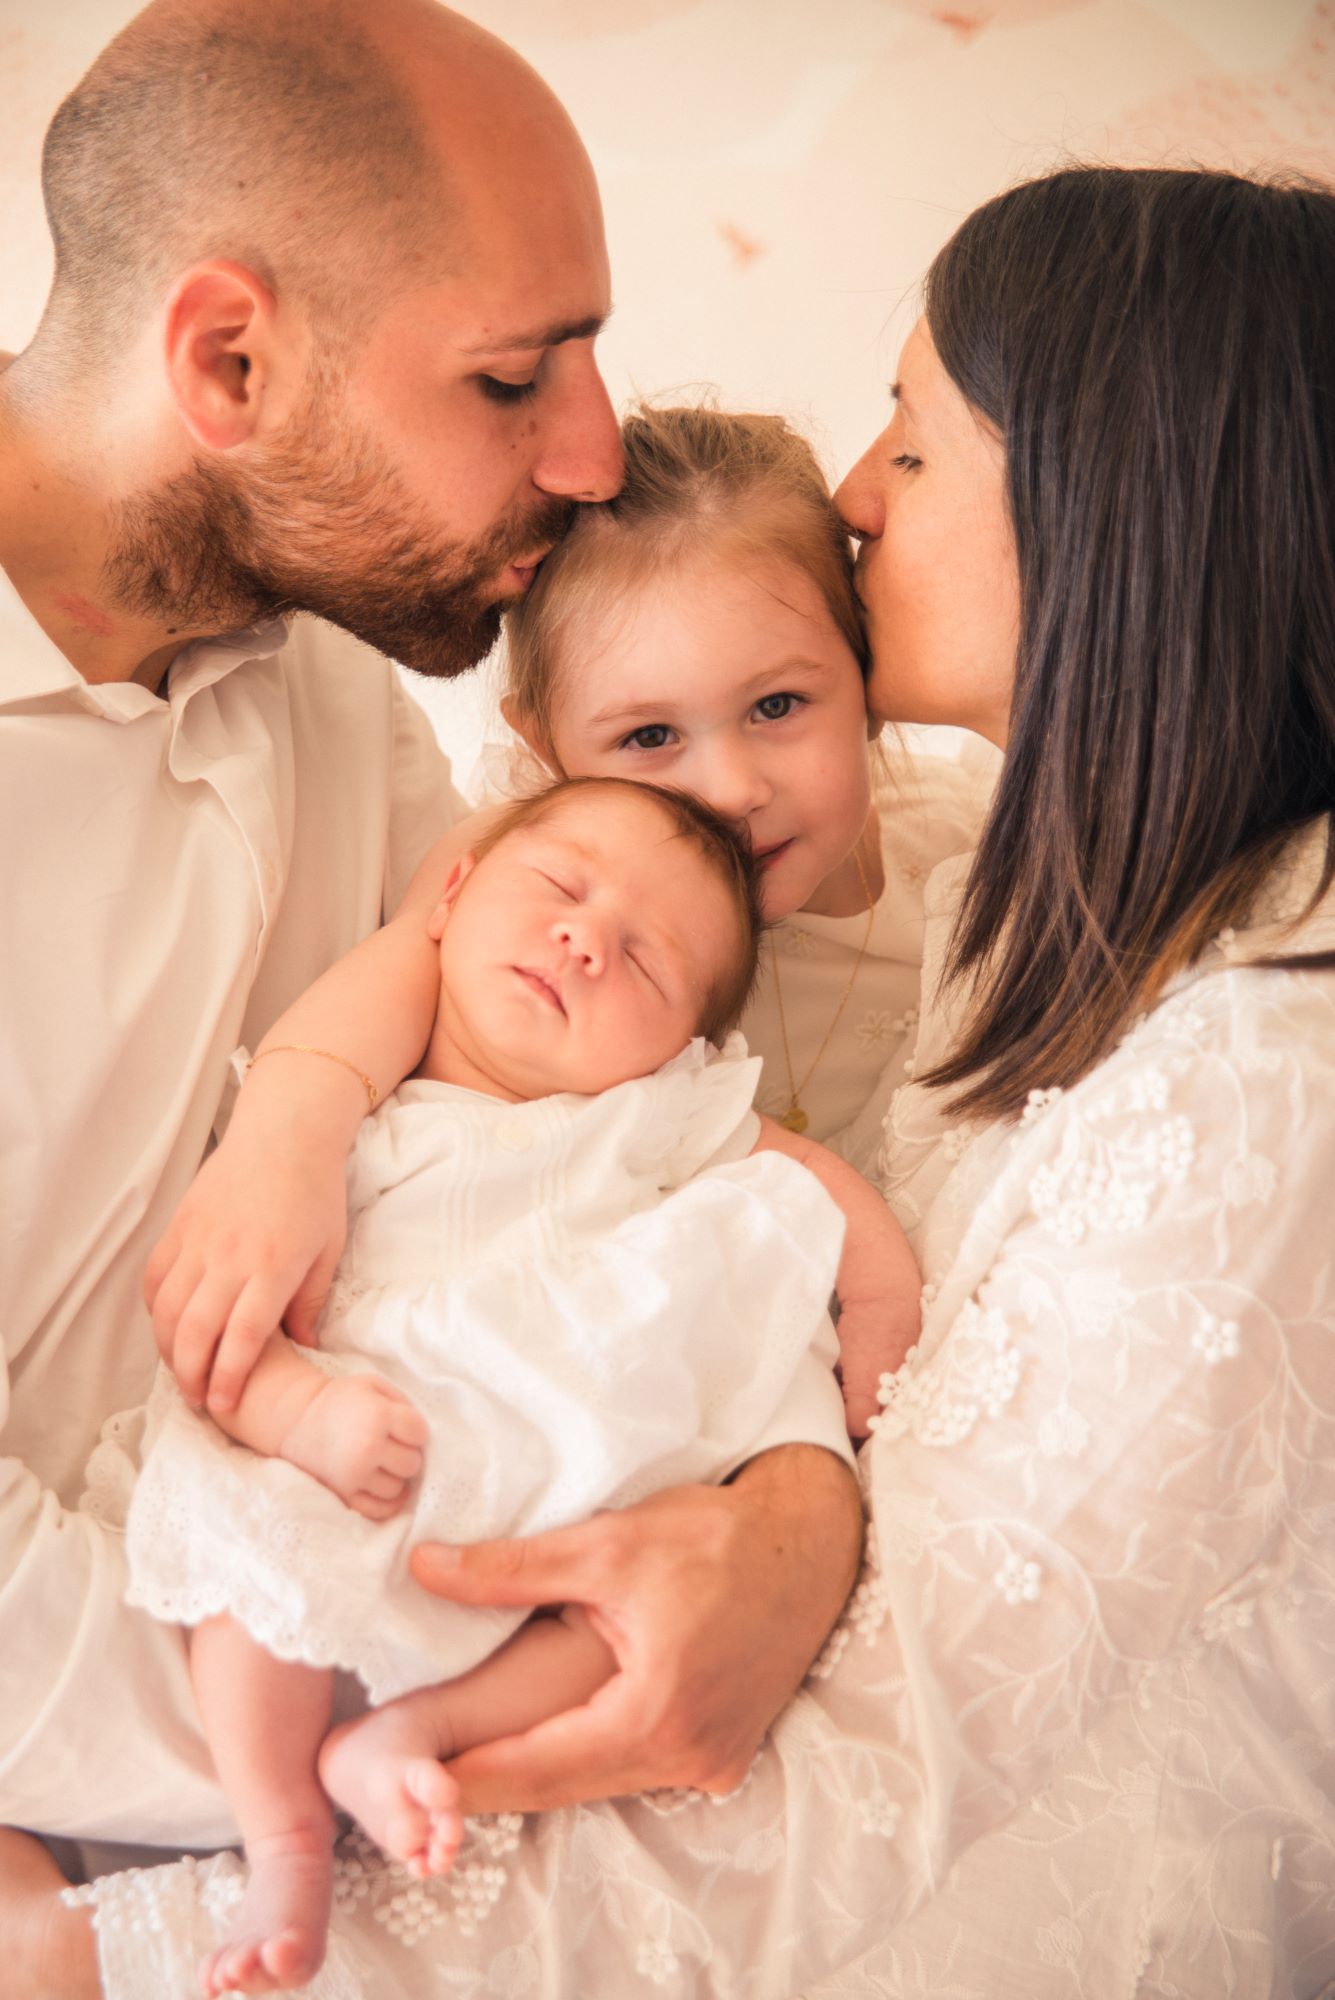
906	461
500	391
775	707
653	736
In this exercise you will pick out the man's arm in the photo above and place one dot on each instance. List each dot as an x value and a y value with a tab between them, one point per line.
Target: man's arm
714	1600
99	1738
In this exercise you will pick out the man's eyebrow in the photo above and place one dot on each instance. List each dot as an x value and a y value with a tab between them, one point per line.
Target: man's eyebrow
545	336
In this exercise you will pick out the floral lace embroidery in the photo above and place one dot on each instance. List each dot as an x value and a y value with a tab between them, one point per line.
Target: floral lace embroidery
974	1373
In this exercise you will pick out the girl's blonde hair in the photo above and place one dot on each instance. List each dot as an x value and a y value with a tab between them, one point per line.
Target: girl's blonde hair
700	482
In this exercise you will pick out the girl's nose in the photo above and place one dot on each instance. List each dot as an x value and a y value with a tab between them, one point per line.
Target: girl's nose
734	783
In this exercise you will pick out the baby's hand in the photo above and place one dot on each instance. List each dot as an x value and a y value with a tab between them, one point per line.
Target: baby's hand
253	1245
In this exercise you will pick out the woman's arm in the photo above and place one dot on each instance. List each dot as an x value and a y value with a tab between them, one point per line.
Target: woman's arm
256	1238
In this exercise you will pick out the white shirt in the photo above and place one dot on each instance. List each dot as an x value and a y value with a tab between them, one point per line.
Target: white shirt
845	992
176	871
1075	1735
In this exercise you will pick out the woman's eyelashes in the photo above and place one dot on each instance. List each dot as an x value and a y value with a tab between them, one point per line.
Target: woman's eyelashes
906	461
498	390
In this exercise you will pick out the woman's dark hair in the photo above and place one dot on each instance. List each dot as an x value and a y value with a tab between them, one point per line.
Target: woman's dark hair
1157	350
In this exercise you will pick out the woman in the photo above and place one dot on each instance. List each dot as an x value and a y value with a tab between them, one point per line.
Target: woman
1074	1735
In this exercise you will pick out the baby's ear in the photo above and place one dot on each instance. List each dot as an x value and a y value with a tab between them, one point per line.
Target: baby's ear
523	725
454	882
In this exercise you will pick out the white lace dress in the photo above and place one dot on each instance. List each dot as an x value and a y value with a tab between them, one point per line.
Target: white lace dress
1075	1736
589	1299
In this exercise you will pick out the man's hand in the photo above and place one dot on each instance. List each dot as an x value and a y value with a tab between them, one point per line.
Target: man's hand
714	1601
49	1952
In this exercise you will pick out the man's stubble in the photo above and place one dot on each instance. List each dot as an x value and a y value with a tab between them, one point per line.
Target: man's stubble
321	525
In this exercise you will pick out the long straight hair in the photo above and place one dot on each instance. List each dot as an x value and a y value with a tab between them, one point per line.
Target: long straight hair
1157	350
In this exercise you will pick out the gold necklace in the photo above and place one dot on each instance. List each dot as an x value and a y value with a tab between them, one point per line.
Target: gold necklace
794	1119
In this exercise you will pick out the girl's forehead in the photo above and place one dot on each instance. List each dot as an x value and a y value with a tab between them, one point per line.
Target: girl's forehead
702	631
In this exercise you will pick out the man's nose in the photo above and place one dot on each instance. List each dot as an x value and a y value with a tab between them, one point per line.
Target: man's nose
582	457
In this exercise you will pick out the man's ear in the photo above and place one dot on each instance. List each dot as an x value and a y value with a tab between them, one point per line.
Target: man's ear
220	351
524	726
454	882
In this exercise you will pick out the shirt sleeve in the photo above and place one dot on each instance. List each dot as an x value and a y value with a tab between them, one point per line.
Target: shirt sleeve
1122	1406
99	1736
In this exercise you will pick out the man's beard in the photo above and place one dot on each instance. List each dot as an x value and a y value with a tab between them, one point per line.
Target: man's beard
320	526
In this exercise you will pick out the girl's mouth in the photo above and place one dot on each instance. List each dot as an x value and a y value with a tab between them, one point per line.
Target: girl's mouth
766	856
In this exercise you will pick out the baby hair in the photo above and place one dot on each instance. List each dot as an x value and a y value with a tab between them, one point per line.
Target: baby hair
700	482
717	843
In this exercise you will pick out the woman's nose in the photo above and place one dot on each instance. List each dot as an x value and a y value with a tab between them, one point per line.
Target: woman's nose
859	499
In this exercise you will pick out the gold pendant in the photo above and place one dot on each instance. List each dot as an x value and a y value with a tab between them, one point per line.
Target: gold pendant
794	1119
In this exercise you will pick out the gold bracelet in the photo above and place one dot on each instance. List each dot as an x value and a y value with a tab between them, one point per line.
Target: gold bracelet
304	1049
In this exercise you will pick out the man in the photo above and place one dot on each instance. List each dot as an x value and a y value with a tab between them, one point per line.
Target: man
320	338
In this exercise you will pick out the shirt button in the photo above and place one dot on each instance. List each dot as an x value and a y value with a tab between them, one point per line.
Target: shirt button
511	1136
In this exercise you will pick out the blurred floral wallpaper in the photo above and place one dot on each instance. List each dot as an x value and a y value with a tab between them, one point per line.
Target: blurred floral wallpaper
777	173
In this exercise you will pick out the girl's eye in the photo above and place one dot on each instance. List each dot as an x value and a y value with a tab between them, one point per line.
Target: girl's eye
774	707
499	391
652	736
906	461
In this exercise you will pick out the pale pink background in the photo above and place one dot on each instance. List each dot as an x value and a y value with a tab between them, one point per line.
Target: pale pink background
777	173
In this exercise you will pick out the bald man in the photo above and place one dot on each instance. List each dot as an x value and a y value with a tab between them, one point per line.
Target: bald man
320	340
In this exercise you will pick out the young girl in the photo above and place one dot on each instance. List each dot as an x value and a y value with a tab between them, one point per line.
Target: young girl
581	1274
702	630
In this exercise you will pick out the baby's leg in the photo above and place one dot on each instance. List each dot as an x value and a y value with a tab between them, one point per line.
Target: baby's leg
354	1433
386	1767
265	1719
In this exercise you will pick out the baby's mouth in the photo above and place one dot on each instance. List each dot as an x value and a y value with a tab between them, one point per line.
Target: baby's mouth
538	983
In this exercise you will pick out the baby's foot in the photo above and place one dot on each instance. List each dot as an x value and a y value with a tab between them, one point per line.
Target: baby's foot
277	1938
384	1769
362	1439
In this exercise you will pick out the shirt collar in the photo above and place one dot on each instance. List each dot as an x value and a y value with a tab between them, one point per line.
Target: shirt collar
32	666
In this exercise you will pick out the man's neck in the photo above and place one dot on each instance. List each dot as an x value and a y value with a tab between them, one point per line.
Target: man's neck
55	509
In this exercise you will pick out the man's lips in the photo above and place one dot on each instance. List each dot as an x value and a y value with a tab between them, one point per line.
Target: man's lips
525	568
538	983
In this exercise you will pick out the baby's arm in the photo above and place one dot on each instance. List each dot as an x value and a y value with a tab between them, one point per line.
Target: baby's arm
258	1233
878	1284
356	1434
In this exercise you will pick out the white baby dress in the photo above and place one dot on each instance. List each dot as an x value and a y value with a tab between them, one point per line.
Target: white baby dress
589	1298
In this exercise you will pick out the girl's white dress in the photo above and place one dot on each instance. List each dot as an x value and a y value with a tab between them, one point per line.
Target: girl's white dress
589	1298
